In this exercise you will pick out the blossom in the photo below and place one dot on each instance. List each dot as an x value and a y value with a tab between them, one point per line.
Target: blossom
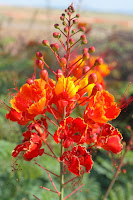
77	158
64	96
110	139
101	108
71	130
29	101
31	146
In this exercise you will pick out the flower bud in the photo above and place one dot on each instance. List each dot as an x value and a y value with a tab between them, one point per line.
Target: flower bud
56	26
63	14
85	50
86	69
73	31
66	10
63	23
75	21
69	13
97	87
62	18
44	74
39	64
45	43
29	81
91	49
98	61
71	41
59	73
63	62
83	37
92	78
86	56
55	46
78	15
39	55
82	29
56	35
66	29
84	41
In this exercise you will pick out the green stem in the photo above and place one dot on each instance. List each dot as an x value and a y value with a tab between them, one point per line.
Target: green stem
114	177
61	175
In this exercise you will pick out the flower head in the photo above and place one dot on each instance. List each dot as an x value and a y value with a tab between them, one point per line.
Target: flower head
77	158
101	108
71	130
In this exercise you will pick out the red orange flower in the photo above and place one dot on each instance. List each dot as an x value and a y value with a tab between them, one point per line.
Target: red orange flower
110	139
64	96
31	146
29	101
71	130
101	108
77	158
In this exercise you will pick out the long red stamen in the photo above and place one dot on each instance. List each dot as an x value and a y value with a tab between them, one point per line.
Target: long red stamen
36	197
53	184
123	102
74	191
47	170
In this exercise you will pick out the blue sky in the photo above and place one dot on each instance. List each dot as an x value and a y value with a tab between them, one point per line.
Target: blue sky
96	5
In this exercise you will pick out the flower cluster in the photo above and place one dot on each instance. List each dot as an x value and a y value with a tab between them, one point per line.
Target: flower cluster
78	83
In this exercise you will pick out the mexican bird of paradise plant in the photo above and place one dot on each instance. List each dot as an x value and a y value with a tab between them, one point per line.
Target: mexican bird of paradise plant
76	84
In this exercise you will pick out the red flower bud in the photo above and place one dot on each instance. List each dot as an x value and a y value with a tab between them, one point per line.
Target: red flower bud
75	21
59	73
86	69
44	74
55	46
82	29
66	10
84	41
63	62
97	87
83	37
29	81
78	15
39	55
92	78
98	61
69	13
85	50
39	64
62	18
56	26
66	29
56	35
91	49
74	31
86	56
71	41
45	43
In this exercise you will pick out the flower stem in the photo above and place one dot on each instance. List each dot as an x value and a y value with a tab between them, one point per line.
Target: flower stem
115	176
61	175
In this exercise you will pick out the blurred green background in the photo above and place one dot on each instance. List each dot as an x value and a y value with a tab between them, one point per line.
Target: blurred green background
21	33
